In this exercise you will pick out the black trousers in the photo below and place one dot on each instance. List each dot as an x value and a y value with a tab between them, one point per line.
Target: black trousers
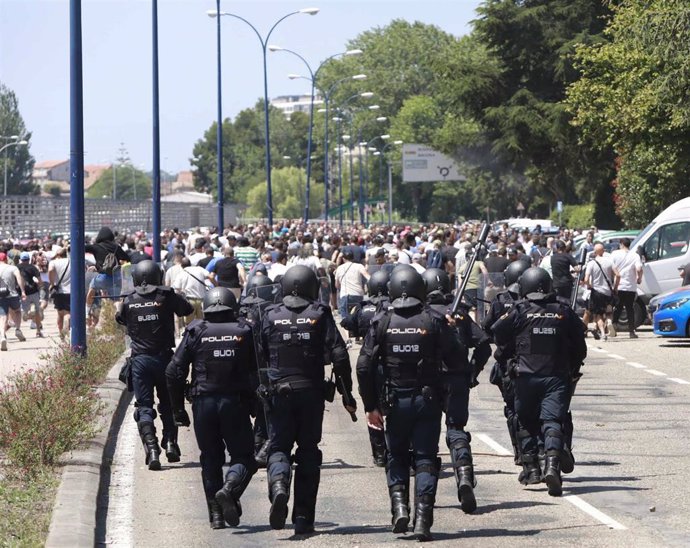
626	299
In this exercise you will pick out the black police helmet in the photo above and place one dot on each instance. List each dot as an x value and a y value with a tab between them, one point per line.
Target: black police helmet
406	288
378	283
300	286
513	272
146	273
219	299
436	280
534	280
258	281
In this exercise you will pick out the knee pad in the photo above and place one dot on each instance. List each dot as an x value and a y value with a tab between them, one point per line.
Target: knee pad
553	429
276	458
248	462
427	467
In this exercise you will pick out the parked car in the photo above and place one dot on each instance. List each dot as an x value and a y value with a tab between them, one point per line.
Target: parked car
671	314
610	239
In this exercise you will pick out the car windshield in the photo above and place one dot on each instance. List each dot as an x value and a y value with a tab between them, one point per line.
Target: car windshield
642	234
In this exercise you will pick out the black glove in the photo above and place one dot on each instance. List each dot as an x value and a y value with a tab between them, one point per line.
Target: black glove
181	417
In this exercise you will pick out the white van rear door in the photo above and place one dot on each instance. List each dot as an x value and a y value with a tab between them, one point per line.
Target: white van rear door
665	251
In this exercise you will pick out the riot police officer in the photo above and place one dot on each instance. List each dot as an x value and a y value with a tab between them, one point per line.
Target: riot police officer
358	323
411	341
221	351
548	346
148	313
501	304
258	296
299	337
457	384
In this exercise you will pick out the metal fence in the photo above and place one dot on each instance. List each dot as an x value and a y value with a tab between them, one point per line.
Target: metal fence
26	216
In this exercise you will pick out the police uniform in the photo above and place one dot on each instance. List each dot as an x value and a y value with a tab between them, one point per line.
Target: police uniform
502	304
252	307
549	346
457	386
148	314
411	341
298	338
358	323
221	353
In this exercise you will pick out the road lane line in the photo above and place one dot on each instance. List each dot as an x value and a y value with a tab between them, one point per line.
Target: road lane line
573	499
494	444
636	365
616	357
679	381
655	372
595	513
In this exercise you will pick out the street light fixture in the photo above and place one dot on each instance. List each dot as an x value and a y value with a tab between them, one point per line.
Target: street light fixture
264	48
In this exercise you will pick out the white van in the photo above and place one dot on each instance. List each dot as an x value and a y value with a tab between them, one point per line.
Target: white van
664	246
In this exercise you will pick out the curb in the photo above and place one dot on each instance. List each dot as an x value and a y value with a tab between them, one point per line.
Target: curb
73	522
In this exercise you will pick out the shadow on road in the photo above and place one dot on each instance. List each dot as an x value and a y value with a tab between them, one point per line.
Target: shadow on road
509	505
341	464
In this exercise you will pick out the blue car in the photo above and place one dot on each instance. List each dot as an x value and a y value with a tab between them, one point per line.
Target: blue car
672	314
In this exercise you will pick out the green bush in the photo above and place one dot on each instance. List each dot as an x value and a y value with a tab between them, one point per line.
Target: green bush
576	216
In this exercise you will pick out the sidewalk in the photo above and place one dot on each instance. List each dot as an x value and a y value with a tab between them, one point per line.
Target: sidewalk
27	355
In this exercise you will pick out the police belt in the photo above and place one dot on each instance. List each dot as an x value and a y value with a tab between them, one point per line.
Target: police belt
166	353
282	388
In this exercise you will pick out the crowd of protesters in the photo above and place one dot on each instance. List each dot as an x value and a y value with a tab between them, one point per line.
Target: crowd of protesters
36	272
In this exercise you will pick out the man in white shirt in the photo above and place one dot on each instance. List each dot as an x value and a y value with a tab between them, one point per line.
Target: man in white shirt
350	280
627	269
192	282
12	286
599	278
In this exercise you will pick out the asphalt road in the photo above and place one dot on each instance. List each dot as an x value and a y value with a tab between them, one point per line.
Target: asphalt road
629	487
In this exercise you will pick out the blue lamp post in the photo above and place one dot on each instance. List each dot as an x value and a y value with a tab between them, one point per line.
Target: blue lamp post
360	144
313	76
156	185
267	133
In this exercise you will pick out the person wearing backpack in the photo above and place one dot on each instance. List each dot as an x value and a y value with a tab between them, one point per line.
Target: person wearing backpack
11	294
32	286
108	256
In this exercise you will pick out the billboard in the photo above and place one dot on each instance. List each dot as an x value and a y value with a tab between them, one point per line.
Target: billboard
423	164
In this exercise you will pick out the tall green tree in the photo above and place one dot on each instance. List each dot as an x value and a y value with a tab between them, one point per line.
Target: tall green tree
124	182
634	98
17	160
288	188
514	85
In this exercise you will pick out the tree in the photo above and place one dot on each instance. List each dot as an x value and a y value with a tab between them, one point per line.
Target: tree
120	182
288	194
633	98
511	77
20	162
244	150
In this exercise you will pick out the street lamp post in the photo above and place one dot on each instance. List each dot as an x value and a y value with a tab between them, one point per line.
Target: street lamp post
219	134
15	143
313	75
156	183
390	177
267	136
360	201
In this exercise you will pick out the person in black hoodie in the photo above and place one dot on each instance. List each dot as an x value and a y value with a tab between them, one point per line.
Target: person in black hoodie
108	256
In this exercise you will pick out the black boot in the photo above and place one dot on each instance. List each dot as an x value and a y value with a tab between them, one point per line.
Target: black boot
229	504
147	432
466	485
215	514
567	460
552	474
304	524
378	447
531	472
424	518
172	451
512	431
279	494
400	508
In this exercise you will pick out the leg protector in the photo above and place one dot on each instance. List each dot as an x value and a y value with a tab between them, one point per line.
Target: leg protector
567	457
377	439
461	455
513	429
400	508
279	475
424	518
147	432
531	471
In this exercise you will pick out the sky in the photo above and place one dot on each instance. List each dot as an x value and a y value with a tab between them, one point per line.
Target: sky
34	63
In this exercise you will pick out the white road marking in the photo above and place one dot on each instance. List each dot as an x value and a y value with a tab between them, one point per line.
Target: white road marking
119	525
636	365
573	499
679	381
494	444
595	513
655	372
616	357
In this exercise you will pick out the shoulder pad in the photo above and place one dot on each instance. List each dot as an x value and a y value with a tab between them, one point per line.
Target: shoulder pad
127	294
195	326
274	306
